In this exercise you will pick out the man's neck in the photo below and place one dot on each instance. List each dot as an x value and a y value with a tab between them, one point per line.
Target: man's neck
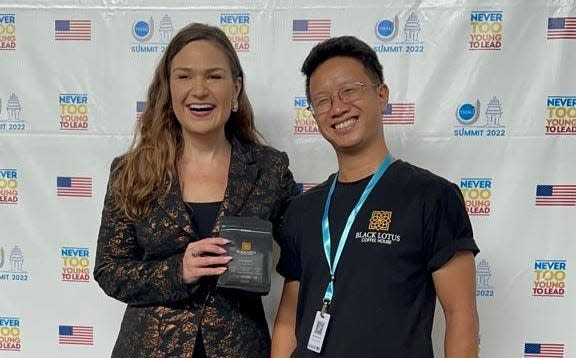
359	165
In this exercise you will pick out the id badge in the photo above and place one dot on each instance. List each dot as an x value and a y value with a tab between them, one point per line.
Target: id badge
318	332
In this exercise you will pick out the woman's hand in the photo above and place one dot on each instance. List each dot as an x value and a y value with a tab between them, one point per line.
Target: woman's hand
204	258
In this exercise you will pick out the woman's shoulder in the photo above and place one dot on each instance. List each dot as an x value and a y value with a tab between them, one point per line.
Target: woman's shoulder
264	152
117	160
267	150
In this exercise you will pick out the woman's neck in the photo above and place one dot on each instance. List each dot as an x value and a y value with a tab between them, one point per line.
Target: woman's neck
204	150
203	170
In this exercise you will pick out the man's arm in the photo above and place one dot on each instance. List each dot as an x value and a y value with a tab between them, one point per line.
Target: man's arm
284	334
455	284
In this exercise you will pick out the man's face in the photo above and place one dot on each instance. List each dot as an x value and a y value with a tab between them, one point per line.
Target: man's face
347	104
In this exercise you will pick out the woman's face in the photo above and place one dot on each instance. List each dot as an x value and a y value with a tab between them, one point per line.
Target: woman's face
202	89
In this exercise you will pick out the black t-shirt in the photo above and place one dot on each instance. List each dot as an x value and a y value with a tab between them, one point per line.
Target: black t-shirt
384	298
343	201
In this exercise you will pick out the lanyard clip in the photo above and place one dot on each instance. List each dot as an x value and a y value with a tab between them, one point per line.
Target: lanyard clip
325	305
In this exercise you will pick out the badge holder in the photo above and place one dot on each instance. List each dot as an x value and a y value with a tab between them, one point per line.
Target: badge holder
319	329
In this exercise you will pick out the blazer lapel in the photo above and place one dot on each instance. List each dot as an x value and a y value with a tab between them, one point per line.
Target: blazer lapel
174	207
242	177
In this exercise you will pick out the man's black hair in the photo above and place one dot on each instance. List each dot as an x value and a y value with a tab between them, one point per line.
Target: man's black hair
345	46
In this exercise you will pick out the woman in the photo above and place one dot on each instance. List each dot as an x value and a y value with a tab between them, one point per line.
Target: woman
195	158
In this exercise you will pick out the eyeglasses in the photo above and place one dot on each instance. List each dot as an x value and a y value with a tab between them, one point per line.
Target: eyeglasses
348	93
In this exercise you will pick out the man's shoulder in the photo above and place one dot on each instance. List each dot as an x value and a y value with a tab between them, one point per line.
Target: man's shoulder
309	199
420	179
316	191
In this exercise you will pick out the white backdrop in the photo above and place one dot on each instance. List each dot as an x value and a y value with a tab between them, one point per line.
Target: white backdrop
483	93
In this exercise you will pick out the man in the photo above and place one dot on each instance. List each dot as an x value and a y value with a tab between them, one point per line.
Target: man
366	253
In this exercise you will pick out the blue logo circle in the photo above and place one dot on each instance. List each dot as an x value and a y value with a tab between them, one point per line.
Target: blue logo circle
385	28
466	112
141	29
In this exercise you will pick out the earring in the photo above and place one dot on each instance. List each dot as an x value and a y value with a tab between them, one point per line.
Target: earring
235	106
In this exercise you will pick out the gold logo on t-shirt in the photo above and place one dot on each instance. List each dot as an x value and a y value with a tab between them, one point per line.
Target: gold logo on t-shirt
380	220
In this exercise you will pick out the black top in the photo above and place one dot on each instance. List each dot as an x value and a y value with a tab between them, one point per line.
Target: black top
203	216
384	298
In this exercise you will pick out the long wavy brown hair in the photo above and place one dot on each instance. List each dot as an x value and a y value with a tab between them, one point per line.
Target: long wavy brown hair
148	169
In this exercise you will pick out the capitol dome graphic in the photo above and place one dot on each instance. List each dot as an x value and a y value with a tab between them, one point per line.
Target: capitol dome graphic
483	274
16	259
13	108
412	28
493	112
166	29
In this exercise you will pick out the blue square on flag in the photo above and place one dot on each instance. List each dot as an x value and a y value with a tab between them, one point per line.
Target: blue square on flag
64	182
531	348
140	106
388	109
544	190
65	330
62	25
556	23
300	25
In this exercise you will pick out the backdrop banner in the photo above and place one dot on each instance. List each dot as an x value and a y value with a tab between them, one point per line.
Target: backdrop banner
482	92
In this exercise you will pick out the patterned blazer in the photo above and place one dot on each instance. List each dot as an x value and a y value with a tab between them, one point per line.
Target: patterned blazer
140	263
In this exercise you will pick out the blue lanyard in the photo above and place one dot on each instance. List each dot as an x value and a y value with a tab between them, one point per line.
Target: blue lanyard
344	236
